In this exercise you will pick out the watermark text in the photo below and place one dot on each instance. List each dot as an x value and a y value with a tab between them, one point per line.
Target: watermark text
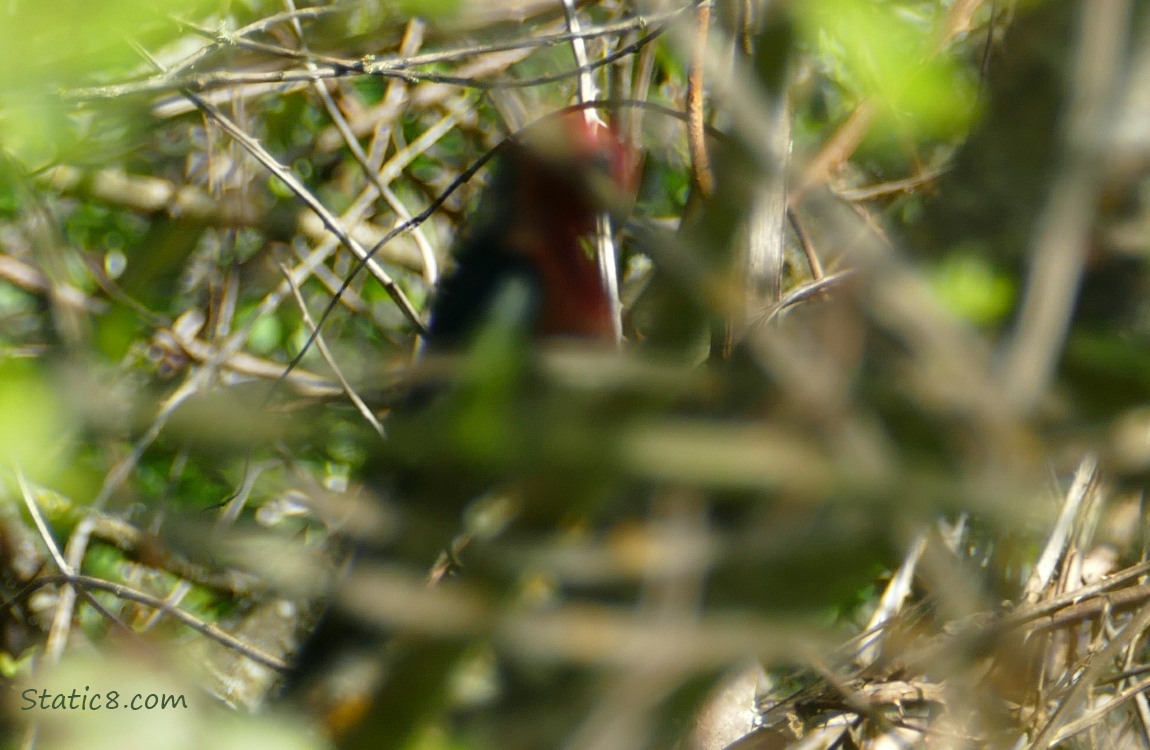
95	700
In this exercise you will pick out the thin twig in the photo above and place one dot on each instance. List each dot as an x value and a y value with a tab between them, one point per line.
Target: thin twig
256	149
327	356
701	173
893	187
430	264
128	593
253	147
41	525
803	293
386	69
808	246
604	239
403	61
61	564
1058	728
1085	479
78	542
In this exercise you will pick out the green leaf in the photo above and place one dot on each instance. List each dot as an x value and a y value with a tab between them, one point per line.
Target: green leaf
972	289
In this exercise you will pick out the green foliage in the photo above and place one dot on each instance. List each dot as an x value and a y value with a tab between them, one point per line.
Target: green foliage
36	432
430	9
888	50
970	288
47	46
629	522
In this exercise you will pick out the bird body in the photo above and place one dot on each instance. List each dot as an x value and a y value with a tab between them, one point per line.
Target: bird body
566	297
532	226
529	232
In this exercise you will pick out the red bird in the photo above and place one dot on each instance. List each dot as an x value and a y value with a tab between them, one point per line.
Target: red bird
531	228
